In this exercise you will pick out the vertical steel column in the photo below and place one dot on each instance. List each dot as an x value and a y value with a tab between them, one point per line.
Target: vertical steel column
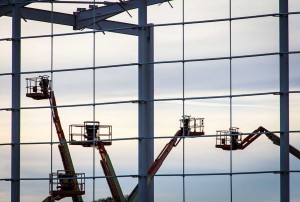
146	113
150	108
284	101
230	91
15	119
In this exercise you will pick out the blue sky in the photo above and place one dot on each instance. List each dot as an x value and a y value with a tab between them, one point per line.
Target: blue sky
201	79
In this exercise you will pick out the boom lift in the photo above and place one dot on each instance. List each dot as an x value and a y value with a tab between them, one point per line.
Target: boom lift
64	183
236	141
188	127
90	134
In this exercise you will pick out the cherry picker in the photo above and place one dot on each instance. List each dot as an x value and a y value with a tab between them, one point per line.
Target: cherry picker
66	182
90	134
235	141
188	127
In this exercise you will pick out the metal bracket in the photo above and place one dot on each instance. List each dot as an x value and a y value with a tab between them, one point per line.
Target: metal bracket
120	4
168	3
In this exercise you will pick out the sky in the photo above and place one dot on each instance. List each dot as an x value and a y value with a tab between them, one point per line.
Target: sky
209	78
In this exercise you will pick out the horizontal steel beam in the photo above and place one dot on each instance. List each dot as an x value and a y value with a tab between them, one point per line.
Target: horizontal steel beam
105	12
83	19
70	20
46	16
7	8
10	2
116	27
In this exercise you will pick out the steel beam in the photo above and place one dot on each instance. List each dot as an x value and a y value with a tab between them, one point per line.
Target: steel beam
9	2
45	16
7	8
150	107
4	10
16	103
113	9
70	20
113	26
284	101
84	19
146	108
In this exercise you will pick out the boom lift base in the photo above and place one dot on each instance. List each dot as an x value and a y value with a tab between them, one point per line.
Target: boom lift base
62	184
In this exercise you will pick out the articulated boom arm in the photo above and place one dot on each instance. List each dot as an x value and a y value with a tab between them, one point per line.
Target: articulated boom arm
188	127
66	184
109	172
238	144
55	117
250	138
63	147
276	140
163	155
133	197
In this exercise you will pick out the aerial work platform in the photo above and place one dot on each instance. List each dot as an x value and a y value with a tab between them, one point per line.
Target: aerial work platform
62	184
38	88
232	139
66	184
90	132
189	126
229	139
